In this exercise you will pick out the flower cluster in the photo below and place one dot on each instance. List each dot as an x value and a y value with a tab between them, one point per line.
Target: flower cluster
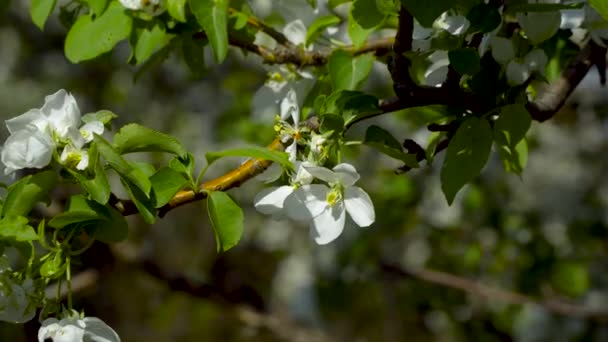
74	328
37	134
15	306
324	206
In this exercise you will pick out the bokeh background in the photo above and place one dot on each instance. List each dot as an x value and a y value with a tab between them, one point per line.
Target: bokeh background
543	234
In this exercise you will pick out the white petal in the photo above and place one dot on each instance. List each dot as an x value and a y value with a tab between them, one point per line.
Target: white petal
421	32
94	127
295	31
62	112
302	177
454	24
347	174
98	331
270	201
27	148
271	174
517	73
32	117
322	173
536	60
263	39
539	26
572	18
502	49
307	202
289	107
437	72
292	151
328	225
359	206
66	330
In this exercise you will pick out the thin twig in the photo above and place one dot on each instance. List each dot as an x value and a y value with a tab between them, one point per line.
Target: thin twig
478	289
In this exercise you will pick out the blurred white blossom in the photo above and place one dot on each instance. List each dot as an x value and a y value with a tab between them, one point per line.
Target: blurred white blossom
75	329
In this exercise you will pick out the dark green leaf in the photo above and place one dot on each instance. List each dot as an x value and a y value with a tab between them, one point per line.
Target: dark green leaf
212	15
383	141
357	33
427	11
166	182
177	9
194	55
138	138
97	6
316	28
23	195
467	154
484	18
145	204
352	105
226	218
465	61
366	14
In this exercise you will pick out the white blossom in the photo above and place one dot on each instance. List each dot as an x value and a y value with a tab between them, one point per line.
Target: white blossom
295	31
27	148
325	207
73	329
454	24
14	302
152	7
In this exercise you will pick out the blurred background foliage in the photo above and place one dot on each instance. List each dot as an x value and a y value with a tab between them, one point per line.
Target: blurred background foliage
542	235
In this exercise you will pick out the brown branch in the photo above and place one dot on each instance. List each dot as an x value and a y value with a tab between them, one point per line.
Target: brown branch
478	289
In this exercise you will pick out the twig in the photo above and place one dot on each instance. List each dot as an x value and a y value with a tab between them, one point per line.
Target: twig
476	288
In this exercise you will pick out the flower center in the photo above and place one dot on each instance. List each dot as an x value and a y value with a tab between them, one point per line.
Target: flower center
334	196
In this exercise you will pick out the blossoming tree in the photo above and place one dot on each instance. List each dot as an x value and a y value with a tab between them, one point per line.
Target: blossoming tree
492	67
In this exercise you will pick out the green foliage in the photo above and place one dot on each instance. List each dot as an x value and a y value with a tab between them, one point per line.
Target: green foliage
570	278
137	138
149	40
509	131
427	11
601	6
40	11
319	25
97	6
226	218
348	72
90	37
166	182
16	227
177	9
24	194
352	105
465	61
484	18
467	154
366	14
252	152
212	15
383	141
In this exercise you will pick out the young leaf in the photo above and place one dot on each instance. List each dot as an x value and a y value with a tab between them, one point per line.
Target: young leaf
97	6
148	41
467	154
97	186
23	195
212	15
427	11
383	141
254	152
316	28
357	33
348	72
40	11
90	38
145	205
177	9
16	227
105	116
166	182
137	138
226	218
53	266
352	105
509	131
601	6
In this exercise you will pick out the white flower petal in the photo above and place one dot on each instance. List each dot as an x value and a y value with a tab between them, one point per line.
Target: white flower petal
359	206
454	24
307	202
295	31
32	117
347	174
302	177
98	331
94	127
517	73
290	107
539	26
536	60
66	330
270	201
328	225
572	18
502	49
292	151
62	112
322	173
263	39
271	174
27	148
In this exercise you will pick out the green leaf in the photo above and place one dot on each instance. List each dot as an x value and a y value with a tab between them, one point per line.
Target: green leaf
366	13
177	9
138	138
23	195
357	33
90	38
69	217
212	15
166	182
319	25
335	3
465	61
509	131
484	18
193	51
381	140
95	184
332	123
427	11
254	152
570	278
226	218
185	166
105	116
40	11
97	6
601	6
145	204
121	166
53	266
352	105
16	227
467	154
149	41
348	72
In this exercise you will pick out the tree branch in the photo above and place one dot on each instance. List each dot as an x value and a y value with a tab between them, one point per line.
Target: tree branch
478	289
